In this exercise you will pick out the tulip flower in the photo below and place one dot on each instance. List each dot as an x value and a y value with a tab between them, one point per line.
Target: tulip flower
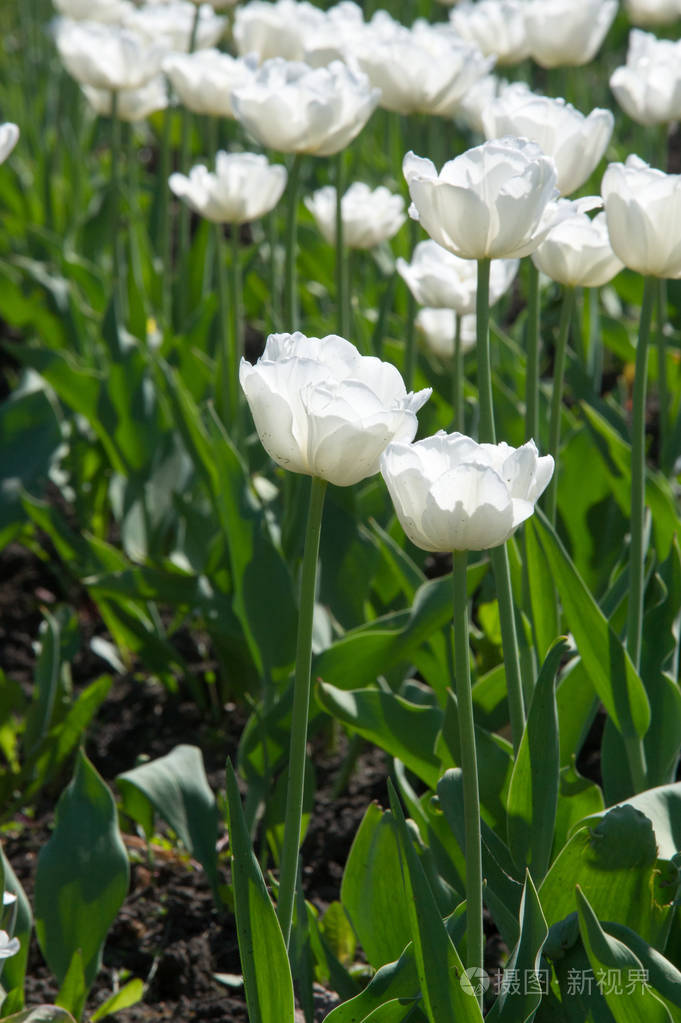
334	37
370	216
131	104
471	107
106	56
648	87
321	409
562	33
451	493
243	188
497	27
8	946
643	209
652	12
178	26
275	29
204	80
110	11
419	70
495	201
438	328
576	143
440	279
9	136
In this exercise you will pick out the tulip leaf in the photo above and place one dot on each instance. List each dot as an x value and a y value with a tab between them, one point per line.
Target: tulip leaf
398	980
578	797
542	594
630	998
176	787
518	1003
40	1014
372	892
577	704
533	792
267	975
405	730
130	994
605	659
663	976
438	965
81	876
14	969
616	865
662	807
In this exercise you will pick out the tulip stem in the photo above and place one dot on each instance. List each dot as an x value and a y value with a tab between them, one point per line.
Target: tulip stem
301	704
237	332
228	397
163	236
498	555
469	768
662	389
638	475
290	286
532	366
457	389
487	432
342	257
557	397
116	222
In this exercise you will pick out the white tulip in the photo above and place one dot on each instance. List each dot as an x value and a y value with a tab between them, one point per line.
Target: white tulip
578	253
576	143
334	37
497	27
567	33
472	106
204	80
419	70
370	216
652	12
322	409
275	29
494	201
643	210
648	86
170	25
110	11
452	494
244	187
294	108
437	327
8	946
442	280
106	56
9	136
131	104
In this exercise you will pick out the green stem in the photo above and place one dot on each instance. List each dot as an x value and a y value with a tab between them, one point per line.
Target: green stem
342	256
301	704
557	397
163	237
487	433
195	28
116	220
227	397
457	383
532	343
498	555
662	389
290	284
638	475
275	307
237	331
469	768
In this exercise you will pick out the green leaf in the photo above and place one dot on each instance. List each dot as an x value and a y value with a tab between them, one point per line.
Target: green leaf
129	994
630	999
46	683
578	797
398	980
267	976
616	865
662	807
372	892
30	439
440	970
405	730
177	788
14	969
607	662
518	1004
533	792
73	990
663	976
542	593
40	1014
81	876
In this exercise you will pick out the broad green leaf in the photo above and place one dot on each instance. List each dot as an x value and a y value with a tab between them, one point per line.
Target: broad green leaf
46	684
176	787
533	791
616	865
398	980
372	892
395	1011
30	434
542	593
439	968
577	705
405	730
81	876
663	976
578	797
73	990
631	999
518	1004
130	994
40	1014
662	807
607	662
337	931
267	975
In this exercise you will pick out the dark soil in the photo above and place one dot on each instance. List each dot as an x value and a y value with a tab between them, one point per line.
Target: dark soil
168	932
